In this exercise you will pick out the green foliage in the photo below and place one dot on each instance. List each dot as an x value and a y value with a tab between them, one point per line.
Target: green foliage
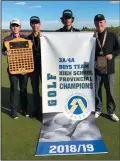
116	30
112	29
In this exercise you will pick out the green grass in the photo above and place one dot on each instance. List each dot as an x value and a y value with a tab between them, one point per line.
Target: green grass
20	137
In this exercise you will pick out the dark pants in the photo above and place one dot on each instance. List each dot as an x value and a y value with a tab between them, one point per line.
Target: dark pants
35	78
14	91
108	81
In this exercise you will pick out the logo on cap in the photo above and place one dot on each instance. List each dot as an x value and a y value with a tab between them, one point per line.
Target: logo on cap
67	12
99	15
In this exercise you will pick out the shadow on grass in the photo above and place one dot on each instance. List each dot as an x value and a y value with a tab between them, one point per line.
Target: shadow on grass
106	116
5	99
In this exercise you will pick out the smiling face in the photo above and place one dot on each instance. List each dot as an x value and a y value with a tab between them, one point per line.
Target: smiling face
15	28
100	25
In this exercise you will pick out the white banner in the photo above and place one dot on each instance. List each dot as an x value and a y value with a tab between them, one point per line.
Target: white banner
68	72
68	93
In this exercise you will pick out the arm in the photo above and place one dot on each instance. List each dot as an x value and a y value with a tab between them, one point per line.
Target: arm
5	52
4	49
116	47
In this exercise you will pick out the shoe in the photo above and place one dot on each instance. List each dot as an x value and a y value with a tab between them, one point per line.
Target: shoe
25	113
114	117
97	114
14	115
32	115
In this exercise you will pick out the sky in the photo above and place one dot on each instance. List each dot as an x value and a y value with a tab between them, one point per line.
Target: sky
50	12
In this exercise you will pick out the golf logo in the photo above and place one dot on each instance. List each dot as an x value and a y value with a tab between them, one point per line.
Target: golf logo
77	107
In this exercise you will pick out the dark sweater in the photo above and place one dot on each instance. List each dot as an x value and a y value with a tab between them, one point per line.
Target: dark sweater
36	54
112	46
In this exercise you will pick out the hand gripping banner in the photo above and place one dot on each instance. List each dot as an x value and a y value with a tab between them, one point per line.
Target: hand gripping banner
68	94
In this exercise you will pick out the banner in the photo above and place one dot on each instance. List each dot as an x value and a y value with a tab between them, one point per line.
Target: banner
68	94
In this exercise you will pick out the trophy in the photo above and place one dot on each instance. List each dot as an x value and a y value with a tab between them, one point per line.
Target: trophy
102	63
20	59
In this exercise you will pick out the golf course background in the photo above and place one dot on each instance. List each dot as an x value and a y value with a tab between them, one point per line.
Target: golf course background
20	137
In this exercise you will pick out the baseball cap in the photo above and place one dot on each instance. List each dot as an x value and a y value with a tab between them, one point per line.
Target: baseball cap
34	19
99	17
67	13
15	21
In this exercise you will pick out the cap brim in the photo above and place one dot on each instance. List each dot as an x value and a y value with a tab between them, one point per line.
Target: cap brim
99	19
15	24
67	17
32	21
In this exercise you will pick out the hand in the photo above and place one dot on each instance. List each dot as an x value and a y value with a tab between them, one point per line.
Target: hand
96	64
109	56
40	34
7	52
23	73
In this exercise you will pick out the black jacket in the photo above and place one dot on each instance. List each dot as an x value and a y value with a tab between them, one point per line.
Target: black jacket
112	46
36	54
65	30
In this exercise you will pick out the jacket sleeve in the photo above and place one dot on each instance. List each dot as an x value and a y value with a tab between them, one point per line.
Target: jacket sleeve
116	46
4	48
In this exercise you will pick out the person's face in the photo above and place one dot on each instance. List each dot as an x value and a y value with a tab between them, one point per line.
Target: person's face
35	26
67	21
100	25
15	28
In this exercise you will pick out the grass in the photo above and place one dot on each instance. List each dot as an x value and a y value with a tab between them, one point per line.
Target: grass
20	137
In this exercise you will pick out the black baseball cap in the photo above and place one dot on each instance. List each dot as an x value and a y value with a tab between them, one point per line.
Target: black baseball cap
99	17
67	14
34	19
